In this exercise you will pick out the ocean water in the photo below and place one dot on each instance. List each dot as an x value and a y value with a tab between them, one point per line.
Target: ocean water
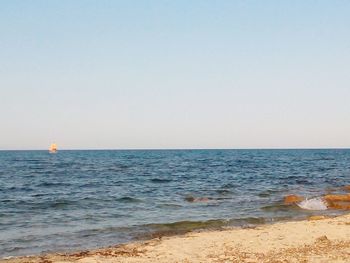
77	200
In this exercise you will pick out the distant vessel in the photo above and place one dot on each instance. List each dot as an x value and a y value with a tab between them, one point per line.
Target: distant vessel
53	148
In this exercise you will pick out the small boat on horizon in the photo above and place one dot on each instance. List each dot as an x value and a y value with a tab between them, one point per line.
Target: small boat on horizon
53	148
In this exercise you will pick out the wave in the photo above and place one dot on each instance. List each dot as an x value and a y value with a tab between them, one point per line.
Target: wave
166	205
303	182
159	180
276	207
230	185
128	199
268	192
52	184
313	204
61	204
181	227
223	191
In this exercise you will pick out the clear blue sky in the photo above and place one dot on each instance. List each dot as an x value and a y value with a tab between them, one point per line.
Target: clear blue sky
174	74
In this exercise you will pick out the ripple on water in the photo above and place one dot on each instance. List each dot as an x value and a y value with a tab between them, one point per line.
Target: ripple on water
128	199
160	180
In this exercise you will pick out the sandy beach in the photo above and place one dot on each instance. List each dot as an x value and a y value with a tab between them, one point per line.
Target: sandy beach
317	239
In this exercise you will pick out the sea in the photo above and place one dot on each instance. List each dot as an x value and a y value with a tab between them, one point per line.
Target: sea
77	200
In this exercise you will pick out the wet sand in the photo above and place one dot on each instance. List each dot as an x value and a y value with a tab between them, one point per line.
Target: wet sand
317	240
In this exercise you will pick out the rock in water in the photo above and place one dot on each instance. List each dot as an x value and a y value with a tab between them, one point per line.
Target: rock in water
292	199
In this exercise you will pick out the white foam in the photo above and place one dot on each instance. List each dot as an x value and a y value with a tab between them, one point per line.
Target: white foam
7	258
313	204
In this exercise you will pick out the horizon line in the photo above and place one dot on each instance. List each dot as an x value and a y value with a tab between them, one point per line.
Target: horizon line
184	149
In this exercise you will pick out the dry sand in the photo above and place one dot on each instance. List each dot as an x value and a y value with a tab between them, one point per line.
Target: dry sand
317	240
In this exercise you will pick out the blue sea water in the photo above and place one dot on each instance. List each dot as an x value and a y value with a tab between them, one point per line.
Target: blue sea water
76	200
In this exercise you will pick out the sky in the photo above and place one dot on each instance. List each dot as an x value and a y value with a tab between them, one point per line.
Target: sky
174	74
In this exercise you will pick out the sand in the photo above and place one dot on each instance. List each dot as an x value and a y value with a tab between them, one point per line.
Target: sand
318	240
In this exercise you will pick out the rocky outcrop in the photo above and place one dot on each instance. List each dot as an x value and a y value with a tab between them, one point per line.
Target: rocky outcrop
292	199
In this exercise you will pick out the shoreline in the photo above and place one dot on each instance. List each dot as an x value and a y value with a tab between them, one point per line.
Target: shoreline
318	239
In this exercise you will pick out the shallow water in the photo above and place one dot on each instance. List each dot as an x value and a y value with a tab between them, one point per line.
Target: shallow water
82	199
